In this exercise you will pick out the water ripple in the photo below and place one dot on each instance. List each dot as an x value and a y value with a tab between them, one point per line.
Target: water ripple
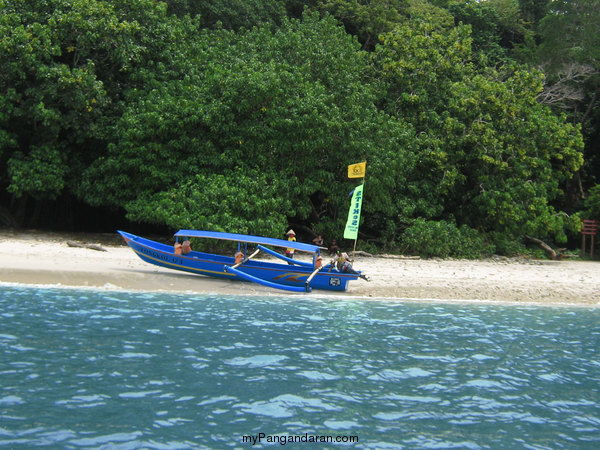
149	370
257	361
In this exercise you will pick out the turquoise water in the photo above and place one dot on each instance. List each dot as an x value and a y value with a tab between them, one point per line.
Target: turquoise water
86	369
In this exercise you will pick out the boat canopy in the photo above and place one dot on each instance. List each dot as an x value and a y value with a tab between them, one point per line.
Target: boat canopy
249	239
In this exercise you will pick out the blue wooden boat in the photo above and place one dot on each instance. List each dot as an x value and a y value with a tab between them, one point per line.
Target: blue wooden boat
290	275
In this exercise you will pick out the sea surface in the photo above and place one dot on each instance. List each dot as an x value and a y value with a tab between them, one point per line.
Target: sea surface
99	369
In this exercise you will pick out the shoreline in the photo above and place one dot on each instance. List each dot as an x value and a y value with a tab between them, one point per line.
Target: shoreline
319	295
45	259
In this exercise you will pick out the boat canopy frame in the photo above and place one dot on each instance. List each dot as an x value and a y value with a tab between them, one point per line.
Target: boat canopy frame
250	239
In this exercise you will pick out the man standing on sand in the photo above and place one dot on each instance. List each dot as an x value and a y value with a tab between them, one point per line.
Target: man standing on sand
289	252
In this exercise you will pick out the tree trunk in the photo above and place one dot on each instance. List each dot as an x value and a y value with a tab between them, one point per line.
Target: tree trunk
7	219
549	250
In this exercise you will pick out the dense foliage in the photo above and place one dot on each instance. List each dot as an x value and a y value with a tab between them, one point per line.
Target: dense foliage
478	120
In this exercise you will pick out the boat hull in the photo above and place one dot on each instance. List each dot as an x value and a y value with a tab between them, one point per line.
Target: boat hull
208	264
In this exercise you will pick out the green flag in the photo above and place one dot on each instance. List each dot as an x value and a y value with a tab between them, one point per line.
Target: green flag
351	231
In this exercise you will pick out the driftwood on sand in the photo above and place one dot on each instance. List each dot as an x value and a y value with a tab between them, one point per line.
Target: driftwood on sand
97	247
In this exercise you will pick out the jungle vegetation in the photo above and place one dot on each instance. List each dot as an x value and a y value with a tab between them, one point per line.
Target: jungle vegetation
479	120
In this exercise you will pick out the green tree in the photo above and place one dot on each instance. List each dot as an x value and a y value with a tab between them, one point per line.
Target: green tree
66	65
285	104
569	53
366	19
231	14
485	25
234	200
571	32
533	11
513	28
489	155
49	105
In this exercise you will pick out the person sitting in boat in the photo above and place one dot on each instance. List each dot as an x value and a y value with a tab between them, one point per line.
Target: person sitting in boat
177	248
239	257
318	262
336	261
186	247
343	264
289	252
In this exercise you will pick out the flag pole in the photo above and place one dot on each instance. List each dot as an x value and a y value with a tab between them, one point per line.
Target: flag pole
356	238
358	170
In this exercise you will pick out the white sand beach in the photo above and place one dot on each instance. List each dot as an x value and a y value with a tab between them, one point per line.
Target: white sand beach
34	258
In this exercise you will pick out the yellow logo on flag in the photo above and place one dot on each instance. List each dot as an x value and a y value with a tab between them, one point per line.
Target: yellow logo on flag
357	170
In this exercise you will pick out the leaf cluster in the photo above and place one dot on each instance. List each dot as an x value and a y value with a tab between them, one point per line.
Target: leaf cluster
445	239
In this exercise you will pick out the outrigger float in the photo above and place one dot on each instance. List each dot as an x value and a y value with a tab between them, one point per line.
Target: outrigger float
294	275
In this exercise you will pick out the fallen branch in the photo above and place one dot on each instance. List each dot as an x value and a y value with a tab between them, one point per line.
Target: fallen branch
386	256
97	247
549	250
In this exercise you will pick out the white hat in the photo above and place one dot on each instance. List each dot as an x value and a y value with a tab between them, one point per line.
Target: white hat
291	232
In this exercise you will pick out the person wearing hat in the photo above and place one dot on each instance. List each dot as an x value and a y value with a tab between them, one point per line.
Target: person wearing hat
289	252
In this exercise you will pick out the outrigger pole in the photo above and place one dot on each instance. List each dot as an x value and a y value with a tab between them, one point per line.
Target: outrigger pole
235	266
312	275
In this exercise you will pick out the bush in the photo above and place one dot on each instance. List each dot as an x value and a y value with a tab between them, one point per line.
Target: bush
592	203
444	239
507	245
